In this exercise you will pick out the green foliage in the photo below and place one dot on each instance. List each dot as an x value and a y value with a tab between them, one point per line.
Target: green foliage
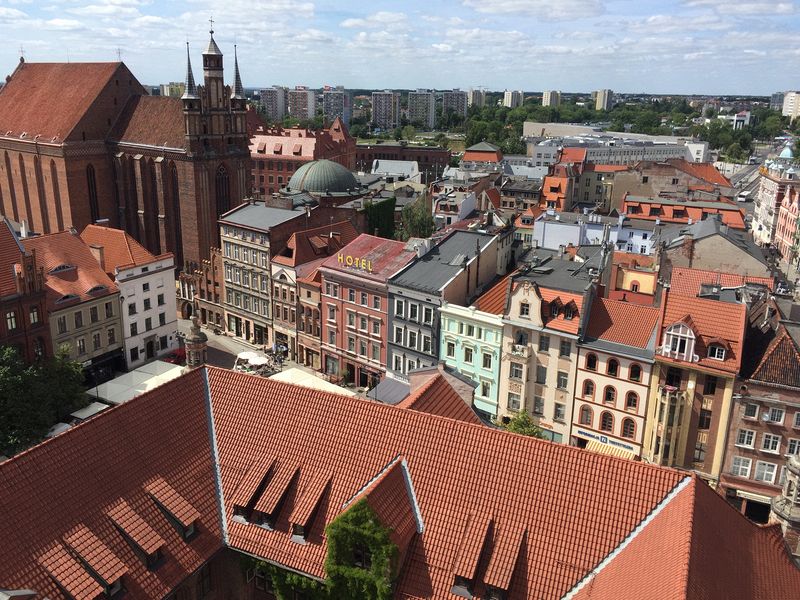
359	527
409	133
34	397
380	217
415	221
523	424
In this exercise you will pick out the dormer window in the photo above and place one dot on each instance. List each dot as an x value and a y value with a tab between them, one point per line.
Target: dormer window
67	298
524	309
97	289
568	313
679	342
61	268
716	352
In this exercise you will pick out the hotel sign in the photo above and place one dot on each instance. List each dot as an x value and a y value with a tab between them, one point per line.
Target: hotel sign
354	262
606	440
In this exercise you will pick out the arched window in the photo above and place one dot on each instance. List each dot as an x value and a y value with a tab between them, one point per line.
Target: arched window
635	372
56	195
585	416
12	192
91	186
591	362
222	189
612	368
609	395
679	342
175	197
628	428
607	422
37	171
631	400
588	389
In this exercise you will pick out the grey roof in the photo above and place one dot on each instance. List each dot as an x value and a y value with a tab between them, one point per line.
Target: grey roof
401	168
673	236
323	177
212	47
389	391
442	262
528	171
521	185
574	217
559	274
624	349
190	89
483	147
258	216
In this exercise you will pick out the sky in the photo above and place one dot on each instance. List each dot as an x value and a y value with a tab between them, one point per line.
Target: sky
630	46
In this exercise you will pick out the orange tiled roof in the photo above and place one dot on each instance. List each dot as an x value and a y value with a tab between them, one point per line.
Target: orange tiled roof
710	320
27	100
573	155
632	259
312	244
86	487
689	560
152	121
531	495
493	300
11	252
120	250
622	322
687	281
386	257
705	171
494	197
599	168
437	397
482	156
563	298
82	273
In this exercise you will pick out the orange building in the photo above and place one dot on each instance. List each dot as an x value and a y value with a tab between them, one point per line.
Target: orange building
672	210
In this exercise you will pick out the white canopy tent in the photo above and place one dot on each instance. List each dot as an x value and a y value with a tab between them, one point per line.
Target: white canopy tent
138	381
309	380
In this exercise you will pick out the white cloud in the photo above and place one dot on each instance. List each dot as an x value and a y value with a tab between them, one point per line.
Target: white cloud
677	23
549	10
62	24
442	47
763	8
8	15
382	19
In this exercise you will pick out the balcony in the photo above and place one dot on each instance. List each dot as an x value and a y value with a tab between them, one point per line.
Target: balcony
519	350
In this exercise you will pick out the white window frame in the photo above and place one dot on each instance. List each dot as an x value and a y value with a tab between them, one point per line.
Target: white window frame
399	308
771	443
745	444
716	352
765	465
744	413
793	444
776	411
743	468
673	337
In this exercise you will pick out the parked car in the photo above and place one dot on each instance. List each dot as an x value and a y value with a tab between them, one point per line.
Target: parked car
177	357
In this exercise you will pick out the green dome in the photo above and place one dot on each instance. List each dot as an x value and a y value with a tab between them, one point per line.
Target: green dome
321	177
787	152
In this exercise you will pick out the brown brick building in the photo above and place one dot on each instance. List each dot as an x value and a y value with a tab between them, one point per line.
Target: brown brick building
80	142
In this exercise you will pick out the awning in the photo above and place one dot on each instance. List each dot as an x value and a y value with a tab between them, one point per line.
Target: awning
754	497
601	448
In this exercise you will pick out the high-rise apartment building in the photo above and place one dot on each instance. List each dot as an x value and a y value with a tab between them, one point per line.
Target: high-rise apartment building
776	101
454	101
336	102
422	108
385	109
173	89
476	98
604	99
273	100
791	104
551	98
512	98
302	103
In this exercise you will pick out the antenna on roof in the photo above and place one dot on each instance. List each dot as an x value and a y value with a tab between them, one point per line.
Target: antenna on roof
119	54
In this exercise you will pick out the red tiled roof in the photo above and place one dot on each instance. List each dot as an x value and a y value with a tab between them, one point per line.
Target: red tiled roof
654	208
312	244
120	250
573	155
69	574
152	121
437	397
606	168
65	249
633	260
11	252
94	478
622	322
494	197
172	501
780	363
705	171
687	281
482	156
384	257
50	99
96	554
708	319
493	300
563	298
687	558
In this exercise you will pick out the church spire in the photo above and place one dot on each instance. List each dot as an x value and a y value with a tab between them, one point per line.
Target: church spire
238	89
190	89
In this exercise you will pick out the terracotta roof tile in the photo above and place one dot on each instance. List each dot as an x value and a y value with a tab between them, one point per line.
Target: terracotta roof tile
26	101
172	501
313	244
687	281
705	171
96	554
70	269
69	574
120	250
135	527
573	155
384	257
780	363
152	121
437	397
494	300
622	322
563	298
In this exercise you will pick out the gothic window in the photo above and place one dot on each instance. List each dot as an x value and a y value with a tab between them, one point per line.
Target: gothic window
175	197
223	190
679	342
91	186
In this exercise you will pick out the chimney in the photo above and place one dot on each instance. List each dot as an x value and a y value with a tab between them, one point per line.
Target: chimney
99	255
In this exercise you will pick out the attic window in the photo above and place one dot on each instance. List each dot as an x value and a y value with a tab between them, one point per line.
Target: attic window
97	289
716	352
679	342
144	540
98	558
61	268
177	509
362	557
67	298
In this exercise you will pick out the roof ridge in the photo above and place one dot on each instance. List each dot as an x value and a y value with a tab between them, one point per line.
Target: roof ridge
417	395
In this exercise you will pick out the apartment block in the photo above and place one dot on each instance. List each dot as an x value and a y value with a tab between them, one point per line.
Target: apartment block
422	108
385	109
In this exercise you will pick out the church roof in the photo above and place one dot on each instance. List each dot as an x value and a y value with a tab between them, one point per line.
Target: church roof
51	99
152	121
786	152
212	47
323	176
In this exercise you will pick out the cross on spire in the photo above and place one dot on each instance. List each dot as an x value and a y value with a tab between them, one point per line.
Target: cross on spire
211	25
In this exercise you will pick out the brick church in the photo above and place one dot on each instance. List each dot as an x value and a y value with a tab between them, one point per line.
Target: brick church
82	142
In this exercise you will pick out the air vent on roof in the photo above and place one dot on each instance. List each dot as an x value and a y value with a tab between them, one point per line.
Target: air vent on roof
542	270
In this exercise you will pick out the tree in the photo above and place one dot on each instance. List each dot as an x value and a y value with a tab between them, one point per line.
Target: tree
523	424
415	221
409	132
34	397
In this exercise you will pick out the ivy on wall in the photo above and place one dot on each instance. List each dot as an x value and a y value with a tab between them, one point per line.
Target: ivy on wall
356	537
380	217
